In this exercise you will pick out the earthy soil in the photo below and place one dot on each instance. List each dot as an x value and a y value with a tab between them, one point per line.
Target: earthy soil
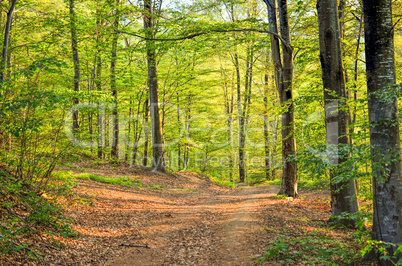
182	218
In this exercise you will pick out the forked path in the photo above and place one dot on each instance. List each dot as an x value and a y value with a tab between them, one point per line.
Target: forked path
207	229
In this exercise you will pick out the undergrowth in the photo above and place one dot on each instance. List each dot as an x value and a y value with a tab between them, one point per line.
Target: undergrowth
29	212
311	249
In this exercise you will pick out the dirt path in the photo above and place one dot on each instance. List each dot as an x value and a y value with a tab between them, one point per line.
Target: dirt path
212	230
184	219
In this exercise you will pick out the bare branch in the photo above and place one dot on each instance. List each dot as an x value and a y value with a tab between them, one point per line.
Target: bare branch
191	36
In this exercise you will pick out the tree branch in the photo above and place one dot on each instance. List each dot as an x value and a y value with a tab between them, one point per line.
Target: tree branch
191	36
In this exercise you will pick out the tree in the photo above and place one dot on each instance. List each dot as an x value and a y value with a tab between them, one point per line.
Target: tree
98	77
343	194
269	123
157	145
6	40
383	118
283	80
115	124
76	60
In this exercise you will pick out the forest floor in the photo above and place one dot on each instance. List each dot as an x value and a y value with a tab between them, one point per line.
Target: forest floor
183	218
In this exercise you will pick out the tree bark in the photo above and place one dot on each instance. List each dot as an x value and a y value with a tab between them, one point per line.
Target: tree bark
242	173
267	143
157	145
283	81
343	194
98	83
115	124
6	40
383	119
76	61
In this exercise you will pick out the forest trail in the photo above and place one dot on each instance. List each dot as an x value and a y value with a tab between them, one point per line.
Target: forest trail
180	219
212	230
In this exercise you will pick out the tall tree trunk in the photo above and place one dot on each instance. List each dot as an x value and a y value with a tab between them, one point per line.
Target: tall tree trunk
130	117
188	124
115	125
242	173
157	145
274	126
146	132
6	40
383	119
356	71
228	95
101	107
76	61
98	81
137	130
247	101
91	87
178	125
343	194
267	148
283	80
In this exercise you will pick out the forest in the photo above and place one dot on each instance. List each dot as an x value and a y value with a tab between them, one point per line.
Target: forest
271	105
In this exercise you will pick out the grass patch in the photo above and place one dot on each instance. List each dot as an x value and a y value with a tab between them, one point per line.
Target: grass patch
187	189
223	183
153	186
122	181
276	182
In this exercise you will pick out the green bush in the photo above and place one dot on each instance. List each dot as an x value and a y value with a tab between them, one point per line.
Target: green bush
312	249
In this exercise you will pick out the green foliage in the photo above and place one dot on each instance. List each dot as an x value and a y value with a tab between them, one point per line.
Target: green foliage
65	184
384	251
312	249
315	184
153	186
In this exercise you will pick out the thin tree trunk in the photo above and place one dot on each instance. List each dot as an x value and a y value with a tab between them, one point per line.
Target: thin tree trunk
178	124
242	173
130	127
6	40
91	87
101	111
274	145
186	145
115	125
146	132
283	81
98	82
137	131
267	148
356	70
229	112
247	100
383	119
76	61
343	194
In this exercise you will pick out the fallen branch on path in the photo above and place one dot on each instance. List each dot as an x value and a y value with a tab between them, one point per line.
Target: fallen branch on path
134	245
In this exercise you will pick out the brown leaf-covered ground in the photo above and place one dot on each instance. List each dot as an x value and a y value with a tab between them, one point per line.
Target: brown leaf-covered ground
187	221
